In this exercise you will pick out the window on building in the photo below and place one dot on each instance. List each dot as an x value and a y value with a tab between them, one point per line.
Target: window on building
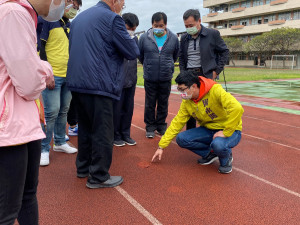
258	2
296	15
234	6
256	20
268	2
242	56
233	23
244	22
269	18
285	16
246	4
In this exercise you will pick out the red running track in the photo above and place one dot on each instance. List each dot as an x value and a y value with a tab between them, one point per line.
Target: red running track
264	187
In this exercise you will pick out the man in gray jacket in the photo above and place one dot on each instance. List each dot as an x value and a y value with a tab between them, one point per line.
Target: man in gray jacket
159	49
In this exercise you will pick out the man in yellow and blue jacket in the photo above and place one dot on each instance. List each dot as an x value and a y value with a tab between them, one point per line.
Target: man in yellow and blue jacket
219	115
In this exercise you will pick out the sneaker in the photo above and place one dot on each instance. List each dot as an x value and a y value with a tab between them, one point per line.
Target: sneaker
73	131
150	134
228	167
44	159
129	141
119	143
67	138
111	182
64	148
209	159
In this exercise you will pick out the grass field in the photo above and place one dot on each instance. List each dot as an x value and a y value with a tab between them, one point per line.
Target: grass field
240	74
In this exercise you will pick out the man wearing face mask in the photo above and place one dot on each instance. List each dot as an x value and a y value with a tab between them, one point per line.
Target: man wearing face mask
159	50
99	42
219	115
202	50
57	97
23	76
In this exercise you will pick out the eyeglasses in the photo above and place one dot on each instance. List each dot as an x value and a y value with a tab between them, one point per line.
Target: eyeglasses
182	89
124	6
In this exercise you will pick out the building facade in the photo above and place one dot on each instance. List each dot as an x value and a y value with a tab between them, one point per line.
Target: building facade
245	19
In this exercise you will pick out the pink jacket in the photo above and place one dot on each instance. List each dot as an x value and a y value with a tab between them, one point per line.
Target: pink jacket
22	74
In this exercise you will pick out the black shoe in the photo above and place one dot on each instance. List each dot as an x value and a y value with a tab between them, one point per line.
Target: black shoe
150	134
129	141
119	143
228	167
208	159
82	175
111	182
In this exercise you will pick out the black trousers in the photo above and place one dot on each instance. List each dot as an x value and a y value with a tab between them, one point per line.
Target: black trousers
19	171
95	136
72	114
123	111
156	105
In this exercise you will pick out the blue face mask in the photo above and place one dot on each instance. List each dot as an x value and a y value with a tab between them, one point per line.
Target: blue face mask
158	32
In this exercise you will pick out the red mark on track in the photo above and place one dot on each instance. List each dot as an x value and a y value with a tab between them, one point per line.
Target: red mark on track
144	164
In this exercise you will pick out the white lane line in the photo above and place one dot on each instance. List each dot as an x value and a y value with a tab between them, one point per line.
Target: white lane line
273	142
138	206
248	174
271	121
268	182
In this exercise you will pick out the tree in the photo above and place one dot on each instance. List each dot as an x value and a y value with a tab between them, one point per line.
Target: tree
234	45
279	41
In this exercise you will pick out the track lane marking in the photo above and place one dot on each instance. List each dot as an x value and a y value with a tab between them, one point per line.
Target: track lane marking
138	206
246	173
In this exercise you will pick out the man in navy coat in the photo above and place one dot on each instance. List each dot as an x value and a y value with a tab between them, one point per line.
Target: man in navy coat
99	42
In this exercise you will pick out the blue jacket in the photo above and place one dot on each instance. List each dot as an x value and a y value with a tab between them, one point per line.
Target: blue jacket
213	50
99	42
158	66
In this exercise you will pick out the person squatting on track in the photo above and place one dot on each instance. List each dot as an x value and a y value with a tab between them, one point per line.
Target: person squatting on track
123	109
202	50
95	76
219	115
23	76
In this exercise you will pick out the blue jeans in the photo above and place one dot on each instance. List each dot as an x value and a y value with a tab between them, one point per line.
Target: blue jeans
56	104
200	141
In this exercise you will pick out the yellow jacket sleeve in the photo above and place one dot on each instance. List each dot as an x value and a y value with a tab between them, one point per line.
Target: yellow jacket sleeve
176	126
233	108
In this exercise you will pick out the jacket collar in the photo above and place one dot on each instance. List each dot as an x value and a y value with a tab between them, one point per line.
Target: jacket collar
103	4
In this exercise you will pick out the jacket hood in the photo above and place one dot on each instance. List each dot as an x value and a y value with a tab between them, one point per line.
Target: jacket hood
205	86
26	5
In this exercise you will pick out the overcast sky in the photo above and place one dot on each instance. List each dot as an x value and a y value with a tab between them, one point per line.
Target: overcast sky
144	9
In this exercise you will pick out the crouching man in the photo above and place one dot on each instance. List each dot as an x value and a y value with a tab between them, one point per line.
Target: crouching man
219	115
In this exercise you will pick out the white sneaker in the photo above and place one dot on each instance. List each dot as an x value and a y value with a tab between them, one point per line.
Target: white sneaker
44	159
64	148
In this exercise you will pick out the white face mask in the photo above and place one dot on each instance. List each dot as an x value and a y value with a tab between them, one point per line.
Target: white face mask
131	33
185	96
55	11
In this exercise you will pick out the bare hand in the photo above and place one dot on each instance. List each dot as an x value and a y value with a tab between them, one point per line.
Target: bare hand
215	75
219	134
158	154
50	83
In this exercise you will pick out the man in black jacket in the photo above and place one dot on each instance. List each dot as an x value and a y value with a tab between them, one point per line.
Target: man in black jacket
202	50
123	109
159	50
